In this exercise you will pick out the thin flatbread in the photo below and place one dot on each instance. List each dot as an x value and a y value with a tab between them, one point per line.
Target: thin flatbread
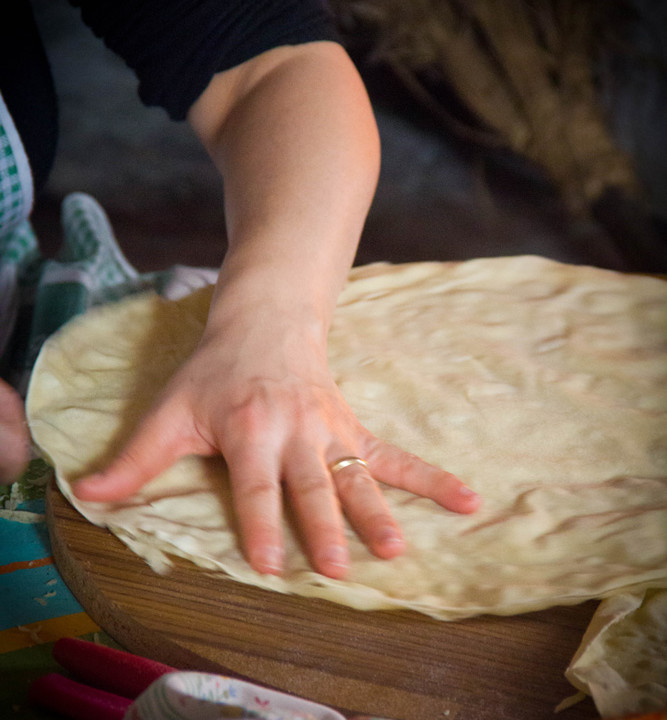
542	385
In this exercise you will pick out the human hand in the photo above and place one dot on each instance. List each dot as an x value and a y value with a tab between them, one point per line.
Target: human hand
14	437
257	389
260	393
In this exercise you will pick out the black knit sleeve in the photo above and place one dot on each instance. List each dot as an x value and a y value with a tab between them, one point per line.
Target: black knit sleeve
176	46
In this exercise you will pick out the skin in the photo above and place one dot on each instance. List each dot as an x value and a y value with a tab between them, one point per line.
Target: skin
13	434
293	134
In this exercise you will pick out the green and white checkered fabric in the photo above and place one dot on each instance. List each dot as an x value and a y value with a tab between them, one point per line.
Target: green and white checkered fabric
38	295
19	268
90	254
16	190
89	270
11	197
19	246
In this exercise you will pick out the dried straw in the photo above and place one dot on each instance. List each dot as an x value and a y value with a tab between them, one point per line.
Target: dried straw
524	68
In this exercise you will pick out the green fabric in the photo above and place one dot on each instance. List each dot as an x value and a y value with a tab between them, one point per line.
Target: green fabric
12	194
89	269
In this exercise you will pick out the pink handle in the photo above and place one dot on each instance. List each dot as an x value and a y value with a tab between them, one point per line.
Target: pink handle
114	670
73	700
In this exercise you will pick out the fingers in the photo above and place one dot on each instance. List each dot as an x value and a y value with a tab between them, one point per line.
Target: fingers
156	445
319	500
258	506
266	455
394	467
313	498
367	510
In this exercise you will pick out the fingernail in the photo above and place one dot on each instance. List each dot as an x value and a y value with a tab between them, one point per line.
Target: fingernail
389	536
391	539
388	544
335	555
467	492
270	559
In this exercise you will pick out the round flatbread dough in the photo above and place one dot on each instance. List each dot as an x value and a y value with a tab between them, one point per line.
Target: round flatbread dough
542	385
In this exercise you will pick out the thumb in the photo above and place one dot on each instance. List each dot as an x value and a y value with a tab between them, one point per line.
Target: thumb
154	447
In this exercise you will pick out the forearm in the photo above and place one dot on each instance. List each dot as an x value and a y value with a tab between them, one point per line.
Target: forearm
294	137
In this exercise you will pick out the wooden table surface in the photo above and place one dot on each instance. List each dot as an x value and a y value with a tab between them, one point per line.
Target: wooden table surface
400	665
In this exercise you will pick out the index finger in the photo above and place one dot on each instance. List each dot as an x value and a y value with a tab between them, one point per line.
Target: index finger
315	502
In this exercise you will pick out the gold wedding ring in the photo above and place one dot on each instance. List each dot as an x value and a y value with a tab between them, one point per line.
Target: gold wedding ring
344	462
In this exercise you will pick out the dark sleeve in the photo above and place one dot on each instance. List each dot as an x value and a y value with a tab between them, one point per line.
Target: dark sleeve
176	46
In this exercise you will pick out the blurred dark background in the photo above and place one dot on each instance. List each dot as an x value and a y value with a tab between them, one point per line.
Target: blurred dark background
441	195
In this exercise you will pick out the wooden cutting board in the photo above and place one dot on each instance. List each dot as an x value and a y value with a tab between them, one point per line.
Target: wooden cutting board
398	664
